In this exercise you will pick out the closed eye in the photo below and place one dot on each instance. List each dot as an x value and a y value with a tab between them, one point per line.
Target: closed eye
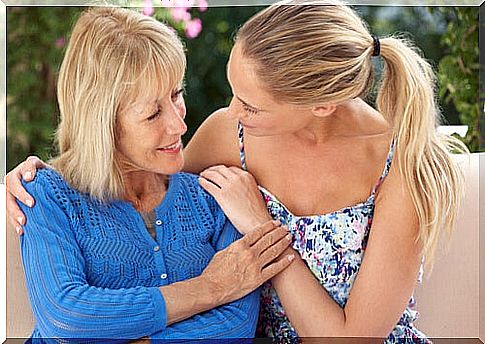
155	115
177	94
249	110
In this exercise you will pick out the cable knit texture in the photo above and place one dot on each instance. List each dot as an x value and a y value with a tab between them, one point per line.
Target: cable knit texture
93	270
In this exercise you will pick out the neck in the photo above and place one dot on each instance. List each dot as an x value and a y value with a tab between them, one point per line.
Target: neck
345	121
145	190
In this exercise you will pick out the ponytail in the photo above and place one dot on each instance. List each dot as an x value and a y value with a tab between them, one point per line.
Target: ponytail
406	98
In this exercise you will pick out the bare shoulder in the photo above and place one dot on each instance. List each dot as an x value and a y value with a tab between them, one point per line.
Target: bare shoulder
394	203
215	142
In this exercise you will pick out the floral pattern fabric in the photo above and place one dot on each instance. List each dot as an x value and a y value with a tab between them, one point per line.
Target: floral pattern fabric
332	245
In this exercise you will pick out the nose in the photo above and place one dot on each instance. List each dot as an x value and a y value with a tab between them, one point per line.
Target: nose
234	111
176	124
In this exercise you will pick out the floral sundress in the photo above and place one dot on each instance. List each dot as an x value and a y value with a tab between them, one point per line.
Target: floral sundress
332	245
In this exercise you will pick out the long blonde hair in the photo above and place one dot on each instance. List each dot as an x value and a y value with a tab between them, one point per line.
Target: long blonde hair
113	56
315	52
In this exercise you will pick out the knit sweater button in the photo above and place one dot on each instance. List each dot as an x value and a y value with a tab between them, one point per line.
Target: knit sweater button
158	222
156	248
163	276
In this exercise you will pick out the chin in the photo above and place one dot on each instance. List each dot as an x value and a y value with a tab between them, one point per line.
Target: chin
172	167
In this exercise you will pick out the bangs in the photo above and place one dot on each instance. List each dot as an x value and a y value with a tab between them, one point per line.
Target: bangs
152	66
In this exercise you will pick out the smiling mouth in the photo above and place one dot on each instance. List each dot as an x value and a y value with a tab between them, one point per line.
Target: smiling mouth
171	148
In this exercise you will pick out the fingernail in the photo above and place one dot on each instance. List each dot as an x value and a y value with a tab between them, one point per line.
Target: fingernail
288	237
276	222
291	257
17	228
28	175
286	227
20	220
29	203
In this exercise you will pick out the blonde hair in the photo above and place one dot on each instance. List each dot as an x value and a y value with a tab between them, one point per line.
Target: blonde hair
113	56
315	52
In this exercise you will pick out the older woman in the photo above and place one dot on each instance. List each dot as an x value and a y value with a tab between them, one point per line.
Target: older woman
366	192
121	245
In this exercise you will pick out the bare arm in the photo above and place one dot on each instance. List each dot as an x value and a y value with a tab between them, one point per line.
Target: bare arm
214	143
386	277
231	274
384	282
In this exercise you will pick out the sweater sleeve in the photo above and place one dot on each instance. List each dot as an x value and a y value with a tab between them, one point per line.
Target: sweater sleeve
234	320
63	303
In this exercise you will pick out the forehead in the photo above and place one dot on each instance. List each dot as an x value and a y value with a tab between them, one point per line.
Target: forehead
241	72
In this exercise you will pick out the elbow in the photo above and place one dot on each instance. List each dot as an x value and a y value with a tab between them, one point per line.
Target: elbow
344	329
53	326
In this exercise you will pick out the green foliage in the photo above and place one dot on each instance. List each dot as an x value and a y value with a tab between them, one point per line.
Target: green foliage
459	68
34	54
34	59
206	84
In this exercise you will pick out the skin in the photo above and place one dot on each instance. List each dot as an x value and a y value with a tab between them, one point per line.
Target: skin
144	128
336	150
319	149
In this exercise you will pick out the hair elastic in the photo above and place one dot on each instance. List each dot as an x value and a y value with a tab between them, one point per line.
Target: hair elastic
377	46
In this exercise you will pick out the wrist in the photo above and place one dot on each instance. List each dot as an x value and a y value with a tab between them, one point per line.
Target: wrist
257	221
214	294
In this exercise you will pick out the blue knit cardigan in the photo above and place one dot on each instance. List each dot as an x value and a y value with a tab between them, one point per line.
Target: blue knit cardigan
93	270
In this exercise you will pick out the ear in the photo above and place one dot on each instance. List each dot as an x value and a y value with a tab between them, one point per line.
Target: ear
324	110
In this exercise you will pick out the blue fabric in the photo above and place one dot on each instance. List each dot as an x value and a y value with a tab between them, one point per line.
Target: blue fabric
93	270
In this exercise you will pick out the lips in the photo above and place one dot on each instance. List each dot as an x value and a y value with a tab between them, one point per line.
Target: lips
172	148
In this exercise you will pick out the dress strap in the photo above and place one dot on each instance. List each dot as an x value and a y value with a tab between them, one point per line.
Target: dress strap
240	136
386	168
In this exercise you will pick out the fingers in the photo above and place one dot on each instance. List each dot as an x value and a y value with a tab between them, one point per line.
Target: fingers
15	215
270	238
210	187
14	187
227	172
274	250
278	266
221	174
252	237
13	183
29	167
214	177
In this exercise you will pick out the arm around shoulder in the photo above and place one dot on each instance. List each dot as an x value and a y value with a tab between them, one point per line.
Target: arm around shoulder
65	305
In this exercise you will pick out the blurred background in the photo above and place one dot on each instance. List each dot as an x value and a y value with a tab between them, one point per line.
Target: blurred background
37	37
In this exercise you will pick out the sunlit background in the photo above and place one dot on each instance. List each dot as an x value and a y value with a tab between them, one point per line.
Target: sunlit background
37	36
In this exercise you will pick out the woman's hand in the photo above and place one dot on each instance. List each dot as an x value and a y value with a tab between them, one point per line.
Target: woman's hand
26	171
238	195
248	262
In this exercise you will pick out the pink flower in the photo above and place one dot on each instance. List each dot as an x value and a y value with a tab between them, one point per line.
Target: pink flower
147	7
193	28
180	13
60	42
202	5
